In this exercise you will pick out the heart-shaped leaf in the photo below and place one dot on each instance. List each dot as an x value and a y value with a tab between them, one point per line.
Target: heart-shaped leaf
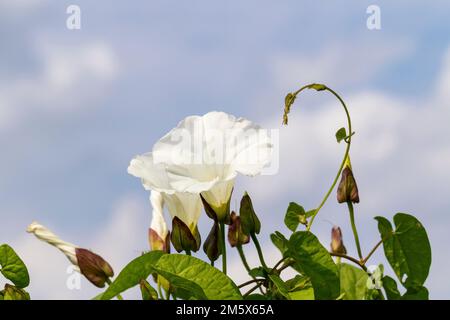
198	278
407	248
316	263
295	214
12	267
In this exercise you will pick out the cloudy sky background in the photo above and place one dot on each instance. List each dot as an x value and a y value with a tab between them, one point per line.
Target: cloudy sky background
76	106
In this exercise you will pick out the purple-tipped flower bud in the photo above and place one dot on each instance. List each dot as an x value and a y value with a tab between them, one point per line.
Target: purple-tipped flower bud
211	245
182	237
157	243
236	236
347	190
93	267
337	243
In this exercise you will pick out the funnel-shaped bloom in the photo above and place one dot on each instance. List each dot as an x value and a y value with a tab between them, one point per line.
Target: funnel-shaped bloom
203	155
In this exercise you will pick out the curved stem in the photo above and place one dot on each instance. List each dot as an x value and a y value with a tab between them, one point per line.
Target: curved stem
348	140
355	231
347	150
279	263
258	248
249	282
354	260
253	289
372	251
223	247
244	260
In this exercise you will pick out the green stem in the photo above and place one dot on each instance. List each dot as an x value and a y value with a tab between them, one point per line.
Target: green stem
258	248
188	252
373	251
160	291
348	140
354	260
244	260
355	232
253	289
108	281
279	263
223	247
249	282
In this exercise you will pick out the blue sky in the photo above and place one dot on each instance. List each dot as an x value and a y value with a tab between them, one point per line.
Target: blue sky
77	105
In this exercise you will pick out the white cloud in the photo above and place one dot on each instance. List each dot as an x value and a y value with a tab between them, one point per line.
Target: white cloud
340	63
20	7
62	84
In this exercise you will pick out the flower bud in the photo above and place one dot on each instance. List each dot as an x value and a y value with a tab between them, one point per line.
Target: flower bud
147	291
157	243
13	293
182	237
235	235
337	243
93	267
158	234
347	190
211	245
249	221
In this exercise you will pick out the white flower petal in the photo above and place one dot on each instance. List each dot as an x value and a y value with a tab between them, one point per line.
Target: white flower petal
158	223
46	235
186	206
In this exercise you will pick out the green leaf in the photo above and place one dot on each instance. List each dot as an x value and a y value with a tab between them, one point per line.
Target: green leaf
282	288
407	248
390	287
353	282
280	241
304	294
341	134
300	288
310	213
12	267
295	214
189	273
258	272
138	269
316	263
14	293
416	293
147	291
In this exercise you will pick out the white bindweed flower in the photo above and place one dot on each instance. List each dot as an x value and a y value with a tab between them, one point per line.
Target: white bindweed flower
186	206
203	155
91	265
